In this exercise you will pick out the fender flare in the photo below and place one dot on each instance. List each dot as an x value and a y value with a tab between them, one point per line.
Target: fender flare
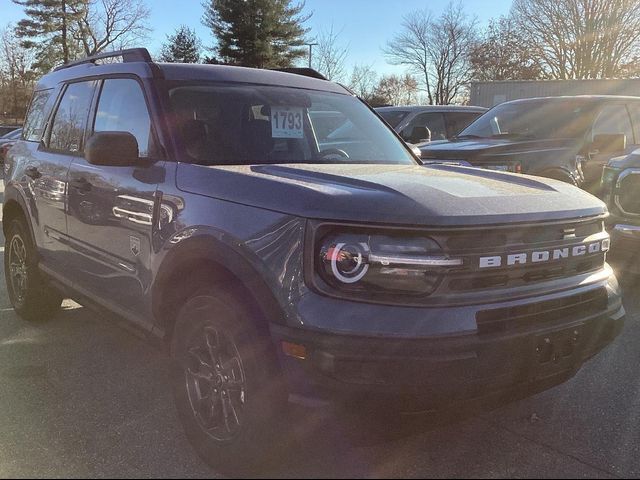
208	245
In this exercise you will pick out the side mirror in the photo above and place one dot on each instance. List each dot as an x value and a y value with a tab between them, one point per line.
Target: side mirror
610	143
112	149
418	135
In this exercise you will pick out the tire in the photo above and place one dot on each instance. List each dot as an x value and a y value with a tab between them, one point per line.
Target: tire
226	383
31	296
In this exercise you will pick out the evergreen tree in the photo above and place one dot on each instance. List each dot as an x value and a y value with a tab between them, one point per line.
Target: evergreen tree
257	33
182	47
48	27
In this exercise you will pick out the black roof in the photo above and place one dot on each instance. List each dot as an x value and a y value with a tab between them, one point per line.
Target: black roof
133	65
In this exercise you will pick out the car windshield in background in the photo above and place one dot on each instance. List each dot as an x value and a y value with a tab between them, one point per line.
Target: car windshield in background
534	120
393	118
252	124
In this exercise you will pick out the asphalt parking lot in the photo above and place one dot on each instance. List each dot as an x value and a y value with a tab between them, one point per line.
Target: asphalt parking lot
83	397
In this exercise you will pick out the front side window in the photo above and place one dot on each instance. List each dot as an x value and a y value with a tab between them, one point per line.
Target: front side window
537	120
613	120
67	131
433	121
458	121
36	118
235	124
122	108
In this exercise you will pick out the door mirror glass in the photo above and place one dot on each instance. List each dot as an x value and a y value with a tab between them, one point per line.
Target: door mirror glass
609	143
112	149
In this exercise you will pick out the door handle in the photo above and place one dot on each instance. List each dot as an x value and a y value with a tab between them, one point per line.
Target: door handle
80	184
33	173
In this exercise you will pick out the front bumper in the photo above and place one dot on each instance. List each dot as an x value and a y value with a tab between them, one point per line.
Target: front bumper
524	345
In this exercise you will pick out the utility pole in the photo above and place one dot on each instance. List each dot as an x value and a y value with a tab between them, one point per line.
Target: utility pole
310	45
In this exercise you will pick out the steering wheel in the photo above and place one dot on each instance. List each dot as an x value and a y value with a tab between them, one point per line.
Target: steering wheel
333	154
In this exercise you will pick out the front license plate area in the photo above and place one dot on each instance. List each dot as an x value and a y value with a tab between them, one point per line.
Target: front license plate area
556	352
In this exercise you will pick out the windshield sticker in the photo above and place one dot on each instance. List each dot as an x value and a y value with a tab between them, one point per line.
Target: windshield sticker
287	122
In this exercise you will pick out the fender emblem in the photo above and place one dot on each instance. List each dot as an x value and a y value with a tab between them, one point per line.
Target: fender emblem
134	244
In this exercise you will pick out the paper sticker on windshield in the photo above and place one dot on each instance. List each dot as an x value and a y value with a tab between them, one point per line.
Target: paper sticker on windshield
287	122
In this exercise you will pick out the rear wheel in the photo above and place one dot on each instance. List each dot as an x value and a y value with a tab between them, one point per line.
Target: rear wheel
31	296
226	383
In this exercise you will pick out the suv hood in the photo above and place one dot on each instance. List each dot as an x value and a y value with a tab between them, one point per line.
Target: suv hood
490	150
439	195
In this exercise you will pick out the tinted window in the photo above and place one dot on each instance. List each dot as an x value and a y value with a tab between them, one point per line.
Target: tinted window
37	116
433	121
122	108
252	124
613	119
634	108
458	121
68	128
540	119
393	117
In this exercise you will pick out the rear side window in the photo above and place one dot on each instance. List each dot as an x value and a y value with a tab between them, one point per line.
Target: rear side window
37	117
122	108
613	120
67	131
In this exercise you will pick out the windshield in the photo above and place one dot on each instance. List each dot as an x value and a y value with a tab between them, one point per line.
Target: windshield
393	117
252	124
538	120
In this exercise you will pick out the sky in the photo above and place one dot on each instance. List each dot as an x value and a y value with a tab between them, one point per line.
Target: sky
365	25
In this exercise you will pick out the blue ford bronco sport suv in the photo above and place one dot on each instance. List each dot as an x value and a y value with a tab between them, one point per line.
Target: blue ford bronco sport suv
277	261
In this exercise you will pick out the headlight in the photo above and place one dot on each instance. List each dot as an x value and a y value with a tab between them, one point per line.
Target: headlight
366	265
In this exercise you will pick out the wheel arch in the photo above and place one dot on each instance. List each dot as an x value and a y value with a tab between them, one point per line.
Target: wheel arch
206	259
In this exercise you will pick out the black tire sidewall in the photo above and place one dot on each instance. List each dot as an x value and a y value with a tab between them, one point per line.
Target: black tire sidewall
266	396
41	302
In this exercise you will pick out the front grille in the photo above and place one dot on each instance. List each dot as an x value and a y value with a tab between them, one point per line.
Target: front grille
565	309
473	246
629	194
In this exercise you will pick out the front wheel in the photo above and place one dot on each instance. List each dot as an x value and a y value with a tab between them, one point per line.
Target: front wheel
32	298
226	383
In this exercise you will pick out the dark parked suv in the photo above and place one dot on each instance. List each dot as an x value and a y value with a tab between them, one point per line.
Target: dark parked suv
198	203
564	138
621	191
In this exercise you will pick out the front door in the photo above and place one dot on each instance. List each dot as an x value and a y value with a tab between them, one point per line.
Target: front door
111	209
613	119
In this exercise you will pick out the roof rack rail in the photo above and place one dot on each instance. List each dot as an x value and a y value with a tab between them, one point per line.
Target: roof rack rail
306	72
128	56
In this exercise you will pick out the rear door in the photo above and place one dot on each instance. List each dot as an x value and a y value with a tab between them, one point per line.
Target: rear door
47	172
111	209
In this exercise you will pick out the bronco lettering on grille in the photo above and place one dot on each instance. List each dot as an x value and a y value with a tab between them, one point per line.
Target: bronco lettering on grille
542	256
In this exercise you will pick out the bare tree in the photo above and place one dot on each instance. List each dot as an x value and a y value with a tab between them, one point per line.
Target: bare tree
363	81
109	24
397	90
581	39
453	37
437	49
330	54
411	47
16	76
504	54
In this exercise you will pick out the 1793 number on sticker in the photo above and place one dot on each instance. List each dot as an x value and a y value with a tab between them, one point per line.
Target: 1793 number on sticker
287	122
